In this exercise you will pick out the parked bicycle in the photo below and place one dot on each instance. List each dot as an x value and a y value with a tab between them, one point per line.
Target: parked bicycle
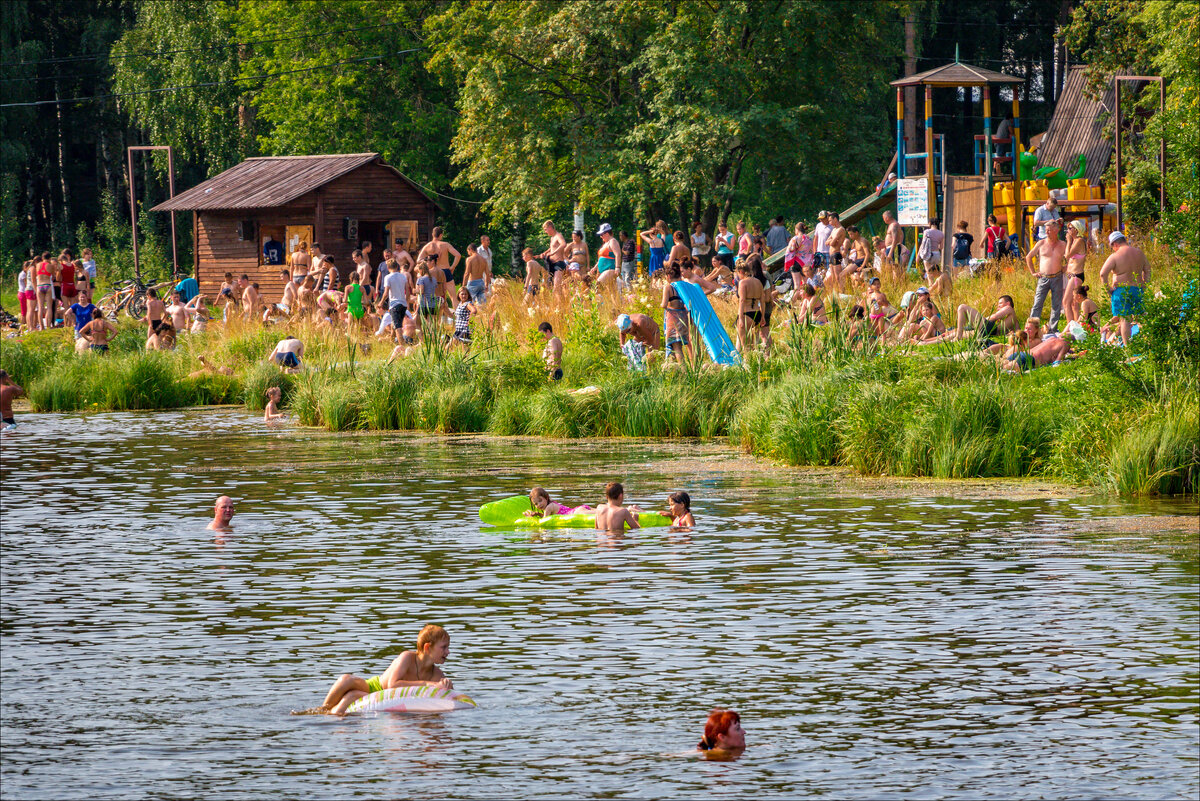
130	296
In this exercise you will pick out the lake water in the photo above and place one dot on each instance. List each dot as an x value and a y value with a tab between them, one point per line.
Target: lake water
878	642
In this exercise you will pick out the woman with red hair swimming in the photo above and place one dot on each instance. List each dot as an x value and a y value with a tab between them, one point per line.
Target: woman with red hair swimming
723	734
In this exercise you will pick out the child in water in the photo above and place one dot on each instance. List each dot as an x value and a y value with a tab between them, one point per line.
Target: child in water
613	515
544	507
680	510
274	396
410	669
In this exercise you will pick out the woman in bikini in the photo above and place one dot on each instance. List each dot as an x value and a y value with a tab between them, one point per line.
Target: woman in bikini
799	253
675	316
755	263
679	251
750	305
578	257
1073	275
44	281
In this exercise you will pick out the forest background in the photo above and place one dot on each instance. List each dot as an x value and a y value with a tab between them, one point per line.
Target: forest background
510	112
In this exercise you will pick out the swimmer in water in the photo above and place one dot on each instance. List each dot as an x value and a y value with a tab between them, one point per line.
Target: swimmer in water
723	735
8	391
544	507
680	510
613	516
274	396
222	514
411	669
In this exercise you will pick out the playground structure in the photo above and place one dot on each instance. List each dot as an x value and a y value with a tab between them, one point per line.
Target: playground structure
1008	179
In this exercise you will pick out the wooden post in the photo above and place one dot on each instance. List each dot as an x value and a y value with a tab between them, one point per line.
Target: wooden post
929	174
900	160
1117	150
137	270
987	145
196	245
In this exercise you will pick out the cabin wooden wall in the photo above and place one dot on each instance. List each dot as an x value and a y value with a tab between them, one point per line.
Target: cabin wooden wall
372	192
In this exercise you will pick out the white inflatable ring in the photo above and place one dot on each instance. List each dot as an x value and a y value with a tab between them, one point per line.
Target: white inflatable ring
424	698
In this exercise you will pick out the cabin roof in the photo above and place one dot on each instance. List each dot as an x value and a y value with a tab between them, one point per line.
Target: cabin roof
957	74
270	181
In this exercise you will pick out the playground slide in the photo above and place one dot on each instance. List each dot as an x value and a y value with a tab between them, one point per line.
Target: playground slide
720	346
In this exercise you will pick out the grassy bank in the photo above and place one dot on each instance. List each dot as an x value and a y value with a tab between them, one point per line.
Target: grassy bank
820	399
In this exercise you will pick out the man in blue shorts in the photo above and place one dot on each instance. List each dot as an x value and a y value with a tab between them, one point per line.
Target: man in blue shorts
1125	272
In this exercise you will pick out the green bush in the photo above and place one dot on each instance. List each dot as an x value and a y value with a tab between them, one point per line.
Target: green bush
1159	455
259	378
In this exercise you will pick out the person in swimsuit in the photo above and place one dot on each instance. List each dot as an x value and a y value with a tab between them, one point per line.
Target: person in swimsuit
99	332
878	304
578	253
750	304
1074	275
354	299
552	352
679	509
609	253
1002	321
8	391
613	516
679	251
654	241
66	280
1125	271
274	398
1085	309
798	248
544	507
555	253
535	275
287	354
812	307
755	264
724	245
44	284
723	738
675	322
417	668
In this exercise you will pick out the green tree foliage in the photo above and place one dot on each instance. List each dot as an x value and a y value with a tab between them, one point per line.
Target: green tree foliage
657	107
184	44
382	99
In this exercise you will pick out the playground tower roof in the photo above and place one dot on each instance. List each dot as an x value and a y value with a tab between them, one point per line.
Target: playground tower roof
957	74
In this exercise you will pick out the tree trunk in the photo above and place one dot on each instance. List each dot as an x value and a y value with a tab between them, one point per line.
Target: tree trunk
62	163
517	245
734	173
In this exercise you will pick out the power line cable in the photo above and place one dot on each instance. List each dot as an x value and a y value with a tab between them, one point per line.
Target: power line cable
109	57
205	84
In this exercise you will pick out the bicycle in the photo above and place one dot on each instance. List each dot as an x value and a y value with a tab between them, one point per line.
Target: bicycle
130	296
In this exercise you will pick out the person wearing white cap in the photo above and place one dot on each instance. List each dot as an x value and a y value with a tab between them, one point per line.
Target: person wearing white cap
1124	272
821	239
608	255
1049	252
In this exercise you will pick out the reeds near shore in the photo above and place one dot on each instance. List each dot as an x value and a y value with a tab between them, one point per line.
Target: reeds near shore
823	398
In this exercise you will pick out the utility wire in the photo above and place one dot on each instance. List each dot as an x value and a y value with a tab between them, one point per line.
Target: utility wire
205	84
106	56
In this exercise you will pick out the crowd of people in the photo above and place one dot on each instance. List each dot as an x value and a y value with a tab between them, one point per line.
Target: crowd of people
831	275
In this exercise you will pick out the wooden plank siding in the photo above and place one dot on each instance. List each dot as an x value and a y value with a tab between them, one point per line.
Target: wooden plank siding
373	192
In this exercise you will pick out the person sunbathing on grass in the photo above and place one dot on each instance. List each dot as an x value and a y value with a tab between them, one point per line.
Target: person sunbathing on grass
1002	321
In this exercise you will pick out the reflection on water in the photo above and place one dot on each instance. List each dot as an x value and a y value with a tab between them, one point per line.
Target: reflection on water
875	646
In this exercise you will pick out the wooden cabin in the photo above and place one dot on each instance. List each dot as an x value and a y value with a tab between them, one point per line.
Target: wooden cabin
337	201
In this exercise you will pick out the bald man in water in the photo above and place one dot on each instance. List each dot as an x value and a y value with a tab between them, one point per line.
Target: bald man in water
222	514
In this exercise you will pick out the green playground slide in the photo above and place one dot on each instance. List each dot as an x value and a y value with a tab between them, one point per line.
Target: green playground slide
510	513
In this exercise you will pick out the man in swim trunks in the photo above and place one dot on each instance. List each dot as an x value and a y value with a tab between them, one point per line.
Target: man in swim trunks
891	244
1001	322
614	516
477	275
417	668
155	311
750	305
8	391
639	327
1125	271
222	514
555	254
1049	252
287	354
552	353
447	259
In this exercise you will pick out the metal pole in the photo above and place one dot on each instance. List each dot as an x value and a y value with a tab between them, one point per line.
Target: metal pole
930	177
1120	209
137	270
987	144
900	160
171	185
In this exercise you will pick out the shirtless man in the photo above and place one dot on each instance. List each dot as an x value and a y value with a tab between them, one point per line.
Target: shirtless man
859	249
1125	271
477	275
448	258
614	516
8	391
1050	252
301	263
222	514
552	353
750	305
99	332
639	327
1002	321
250	301
891	245
1044	352
155	311
179	313
288	303
555	255
287	354
402	257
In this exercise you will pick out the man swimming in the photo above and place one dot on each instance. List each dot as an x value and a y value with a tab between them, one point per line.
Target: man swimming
222	514
613	516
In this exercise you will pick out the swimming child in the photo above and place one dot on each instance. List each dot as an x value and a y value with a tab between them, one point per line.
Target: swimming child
613	516
723	735
680	510
274	396
544	507
411	669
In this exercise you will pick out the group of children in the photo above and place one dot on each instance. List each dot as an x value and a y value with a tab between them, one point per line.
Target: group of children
613	516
